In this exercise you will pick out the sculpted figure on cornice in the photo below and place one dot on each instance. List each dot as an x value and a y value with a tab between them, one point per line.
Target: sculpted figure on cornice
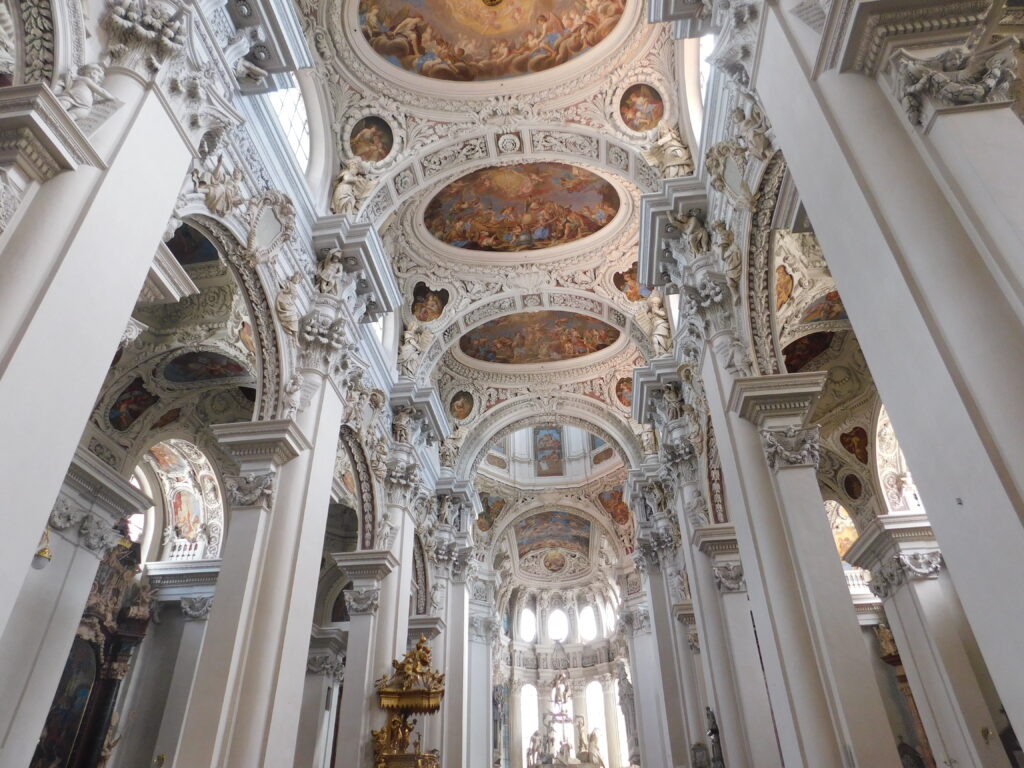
668	153
963	75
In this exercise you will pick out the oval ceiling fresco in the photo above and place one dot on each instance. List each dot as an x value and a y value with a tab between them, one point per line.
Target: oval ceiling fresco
521	207
485	39
546	336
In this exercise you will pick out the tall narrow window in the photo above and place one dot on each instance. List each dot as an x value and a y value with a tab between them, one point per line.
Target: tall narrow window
588	624
558	625
528	708
291	113
527	625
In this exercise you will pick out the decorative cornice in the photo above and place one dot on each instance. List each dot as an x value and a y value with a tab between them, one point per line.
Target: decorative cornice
716	539
261	446
777	400
367	566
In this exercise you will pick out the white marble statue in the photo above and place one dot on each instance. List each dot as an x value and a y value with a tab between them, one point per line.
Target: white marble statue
287	305
669	154
661	332
80	94
351	188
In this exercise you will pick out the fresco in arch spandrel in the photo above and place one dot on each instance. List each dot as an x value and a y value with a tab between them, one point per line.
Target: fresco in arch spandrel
537	337
485	39
521	207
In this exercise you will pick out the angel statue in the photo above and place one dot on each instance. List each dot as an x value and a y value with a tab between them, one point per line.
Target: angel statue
668	153
351	188
692	230
657	319
80	93
414	344
960	75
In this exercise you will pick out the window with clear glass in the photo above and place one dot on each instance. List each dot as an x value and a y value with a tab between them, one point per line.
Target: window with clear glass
290	109
527	625
588	624
558	625
707	47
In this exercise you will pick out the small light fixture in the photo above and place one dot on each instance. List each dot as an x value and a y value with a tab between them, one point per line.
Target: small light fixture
43	555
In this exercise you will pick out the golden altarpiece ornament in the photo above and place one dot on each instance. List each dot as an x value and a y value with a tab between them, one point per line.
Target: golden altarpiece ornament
412	688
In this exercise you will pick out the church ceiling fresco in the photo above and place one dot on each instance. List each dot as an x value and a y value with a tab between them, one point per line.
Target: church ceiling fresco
466	40
800	353
615	505
828	307
491	507
546	336
202	366
552	530
521	207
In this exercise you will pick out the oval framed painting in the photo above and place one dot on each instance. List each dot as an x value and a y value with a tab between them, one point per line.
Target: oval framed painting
641	107
371	139
461	405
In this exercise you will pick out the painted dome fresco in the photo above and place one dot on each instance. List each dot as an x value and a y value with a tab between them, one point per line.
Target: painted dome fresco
521	207
545	336
485	39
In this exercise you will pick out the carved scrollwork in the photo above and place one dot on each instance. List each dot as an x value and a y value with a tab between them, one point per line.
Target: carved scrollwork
362	601
729	577
250	490
328	665
196	608
791	447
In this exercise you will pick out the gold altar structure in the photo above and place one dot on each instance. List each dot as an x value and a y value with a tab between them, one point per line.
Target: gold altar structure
413	688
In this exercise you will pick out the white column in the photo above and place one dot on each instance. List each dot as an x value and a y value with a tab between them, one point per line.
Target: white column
213	709
828	710
161	678
924	615
35	645
358	708
975	152
67	296
455	703
196	612
883	221
653	728
325	673
740	699
687	642
660	636
579	707
515	725
483	625
611	723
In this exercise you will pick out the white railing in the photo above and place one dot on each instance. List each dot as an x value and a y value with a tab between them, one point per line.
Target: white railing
857	579
183	549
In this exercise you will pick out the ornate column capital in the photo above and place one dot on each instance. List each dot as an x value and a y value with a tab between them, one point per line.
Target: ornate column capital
958	78
362	601
145	34
83	527
896	571
329	665
635	621
791	447
729	577
196	608
483	628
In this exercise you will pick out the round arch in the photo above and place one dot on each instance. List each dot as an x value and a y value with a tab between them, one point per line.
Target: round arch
562	409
